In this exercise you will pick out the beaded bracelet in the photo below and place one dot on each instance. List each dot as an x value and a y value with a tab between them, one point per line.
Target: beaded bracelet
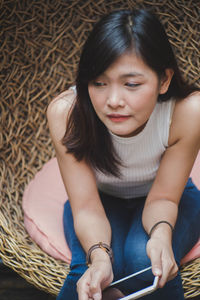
102	246
155	225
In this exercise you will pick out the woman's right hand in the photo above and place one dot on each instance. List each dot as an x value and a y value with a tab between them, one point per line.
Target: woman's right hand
96	278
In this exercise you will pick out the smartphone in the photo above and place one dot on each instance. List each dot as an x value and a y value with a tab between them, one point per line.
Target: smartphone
147	290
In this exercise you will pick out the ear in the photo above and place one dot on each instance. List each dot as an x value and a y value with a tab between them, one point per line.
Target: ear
165	81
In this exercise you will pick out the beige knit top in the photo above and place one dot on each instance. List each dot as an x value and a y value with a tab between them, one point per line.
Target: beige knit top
140	156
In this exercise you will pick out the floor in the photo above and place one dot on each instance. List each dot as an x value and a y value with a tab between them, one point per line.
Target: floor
13	287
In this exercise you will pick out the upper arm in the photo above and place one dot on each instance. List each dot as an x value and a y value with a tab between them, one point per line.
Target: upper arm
77	176
179	157
57	113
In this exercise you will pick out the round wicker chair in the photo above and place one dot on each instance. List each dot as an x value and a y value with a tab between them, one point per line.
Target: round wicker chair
40	47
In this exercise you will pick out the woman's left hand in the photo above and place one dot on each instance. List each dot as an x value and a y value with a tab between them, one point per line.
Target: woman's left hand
160	252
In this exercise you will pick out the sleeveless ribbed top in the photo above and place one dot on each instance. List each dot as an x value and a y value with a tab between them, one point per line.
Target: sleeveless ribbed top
140	156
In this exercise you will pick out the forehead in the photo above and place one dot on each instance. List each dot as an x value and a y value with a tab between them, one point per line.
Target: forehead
129	65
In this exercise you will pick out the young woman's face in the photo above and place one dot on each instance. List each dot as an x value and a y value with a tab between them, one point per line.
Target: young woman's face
125	95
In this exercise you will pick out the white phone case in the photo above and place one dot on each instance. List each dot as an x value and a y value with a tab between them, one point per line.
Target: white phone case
142	292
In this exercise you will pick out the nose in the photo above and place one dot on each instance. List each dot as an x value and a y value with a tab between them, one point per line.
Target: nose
114	98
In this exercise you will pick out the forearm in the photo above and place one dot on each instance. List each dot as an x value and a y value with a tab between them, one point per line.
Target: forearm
92	227
160	210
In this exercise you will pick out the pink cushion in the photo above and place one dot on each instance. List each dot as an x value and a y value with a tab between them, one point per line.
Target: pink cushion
195	173
43	202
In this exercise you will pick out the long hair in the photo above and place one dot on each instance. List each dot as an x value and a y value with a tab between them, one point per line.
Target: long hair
115	34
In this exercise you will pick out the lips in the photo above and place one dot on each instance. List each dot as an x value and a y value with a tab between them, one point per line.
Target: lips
118	117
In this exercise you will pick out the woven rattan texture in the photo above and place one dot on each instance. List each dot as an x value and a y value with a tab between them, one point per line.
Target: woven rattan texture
39	50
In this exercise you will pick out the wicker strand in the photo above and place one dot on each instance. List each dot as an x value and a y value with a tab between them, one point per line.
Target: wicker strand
41	41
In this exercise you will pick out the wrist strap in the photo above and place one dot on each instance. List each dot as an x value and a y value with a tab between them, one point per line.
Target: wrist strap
155	225
102	246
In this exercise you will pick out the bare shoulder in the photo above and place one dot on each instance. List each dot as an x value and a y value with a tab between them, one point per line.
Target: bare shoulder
61	104
189	109
186	117
57	113
191	103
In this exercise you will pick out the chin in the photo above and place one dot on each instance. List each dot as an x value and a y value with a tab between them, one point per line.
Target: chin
123	134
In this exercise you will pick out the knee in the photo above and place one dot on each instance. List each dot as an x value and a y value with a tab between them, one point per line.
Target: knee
68	291
77	270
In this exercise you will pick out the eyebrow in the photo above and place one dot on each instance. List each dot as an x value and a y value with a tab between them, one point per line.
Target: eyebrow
132	74
126	75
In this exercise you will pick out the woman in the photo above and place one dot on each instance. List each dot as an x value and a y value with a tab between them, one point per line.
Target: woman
125	144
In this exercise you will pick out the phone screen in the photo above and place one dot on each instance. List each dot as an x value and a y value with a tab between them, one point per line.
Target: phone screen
145	291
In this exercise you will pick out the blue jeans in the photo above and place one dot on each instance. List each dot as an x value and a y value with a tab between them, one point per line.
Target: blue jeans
129	243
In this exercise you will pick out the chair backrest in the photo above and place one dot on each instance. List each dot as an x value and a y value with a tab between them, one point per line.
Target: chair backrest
40	48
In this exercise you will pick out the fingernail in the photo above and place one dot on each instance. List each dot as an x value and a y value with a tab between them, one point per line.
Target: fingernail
97	296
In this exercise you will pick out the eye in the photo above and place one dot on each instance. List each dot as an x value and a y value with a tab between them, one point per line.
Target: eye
131	85
98	83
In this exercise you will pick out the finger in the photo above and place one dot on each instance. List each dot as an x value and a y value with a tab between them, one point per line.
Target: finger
164	277
167	271
83	294
173	273
95	285
83	288
97	296
170	271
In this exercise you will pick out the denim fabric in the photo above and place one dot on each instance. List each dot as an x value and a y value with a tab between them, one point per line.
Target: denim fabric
129	243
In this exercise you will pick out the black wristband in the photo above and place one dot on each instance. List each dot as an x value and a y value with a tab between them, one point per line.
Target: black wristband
155	225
